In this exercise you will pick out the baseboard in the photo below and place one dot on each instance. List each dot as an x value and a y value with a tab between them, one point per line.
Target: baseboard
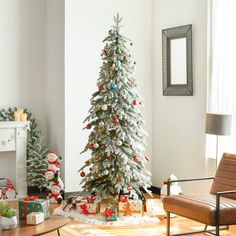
156	190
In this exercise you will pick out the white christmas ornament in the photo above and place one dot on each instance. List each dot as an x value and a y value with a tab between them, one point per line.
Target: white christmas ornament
104	107
118	143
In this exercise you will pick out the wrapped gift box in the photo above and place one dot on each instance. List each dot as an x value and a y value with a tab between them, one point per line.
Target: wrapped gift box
87	208
111	214
32	204
35	218
132	207
155	208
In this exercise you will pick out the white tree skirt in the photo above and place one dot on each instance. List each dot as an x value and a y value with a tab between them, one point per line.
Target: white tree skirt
99	219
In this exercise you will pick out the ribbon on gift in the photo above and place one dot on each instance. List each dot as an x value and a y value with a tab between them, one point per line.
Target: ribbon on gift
84	209
109	213
31	198
26	200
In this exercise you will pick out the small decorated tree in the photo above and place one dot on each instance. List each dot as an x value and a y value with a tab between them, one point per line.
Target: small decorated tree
117	162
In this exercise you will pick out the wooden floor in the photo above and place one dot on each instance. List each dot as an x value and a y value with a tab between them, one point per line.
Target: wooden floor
179	225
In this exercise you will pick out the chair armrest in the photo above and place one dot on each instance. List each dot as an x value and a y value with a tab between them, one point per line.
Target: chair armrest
185	180
218	195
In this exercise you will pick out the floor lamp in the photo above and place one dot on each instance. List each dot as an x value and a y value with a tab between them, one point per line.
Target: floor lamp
218	124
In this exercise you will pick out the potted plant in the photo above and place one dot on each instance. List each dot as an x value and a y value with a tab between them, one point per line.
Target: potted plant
8	218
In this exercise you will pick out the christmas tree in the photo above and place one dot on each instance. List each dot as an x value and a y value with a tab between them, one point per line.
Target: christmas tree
36	156
116	142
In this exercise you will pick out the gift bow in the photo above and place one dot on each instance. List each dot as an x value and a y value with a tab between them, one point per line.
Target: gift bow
109	212
31	198
84	209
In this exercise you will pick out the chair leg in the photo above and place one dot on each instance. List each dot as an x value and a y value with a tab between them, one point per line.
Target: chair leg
217	230
168	224
58	232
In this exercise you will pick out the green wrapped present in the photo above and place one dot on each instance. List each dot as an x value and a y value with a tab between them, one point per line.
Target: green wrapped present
33	204
111	213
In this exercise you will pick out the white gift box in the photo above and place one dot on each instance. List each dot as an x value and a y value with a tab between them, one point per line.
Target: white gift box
35	218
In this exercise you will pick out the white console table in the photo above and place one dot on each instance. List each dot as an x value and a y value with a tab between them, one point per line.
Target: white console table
13	137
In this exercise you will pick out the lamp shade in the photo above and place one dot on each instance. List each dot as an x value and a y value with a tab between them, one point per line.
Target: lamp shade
218	124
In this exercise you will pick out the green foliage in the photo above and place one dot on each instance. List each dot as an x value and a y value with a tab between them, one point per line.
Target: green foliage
6	210
36	150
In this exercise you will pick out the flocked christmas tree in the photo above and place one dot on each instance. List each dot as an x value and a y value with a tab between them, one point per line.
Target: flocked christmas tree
117	163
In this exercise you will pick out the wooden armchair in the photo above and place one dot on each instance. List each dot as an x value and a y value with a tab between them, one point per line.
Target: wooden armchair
218	208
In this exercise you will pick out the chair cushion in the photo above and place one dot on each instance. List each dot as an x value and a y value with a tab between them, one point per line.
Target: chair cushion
201	207
225	178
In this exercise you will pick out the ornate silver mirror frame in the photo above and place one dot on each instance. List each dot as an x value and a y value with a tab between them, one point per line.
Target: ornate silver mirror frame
180	63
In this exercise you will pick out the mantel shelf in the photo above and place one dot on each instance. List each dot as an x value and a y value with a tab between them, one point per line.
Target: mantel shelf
13	124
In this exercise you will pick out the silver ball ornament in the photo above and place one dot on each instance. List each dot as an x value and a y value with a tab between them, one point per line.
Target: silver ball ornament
105	172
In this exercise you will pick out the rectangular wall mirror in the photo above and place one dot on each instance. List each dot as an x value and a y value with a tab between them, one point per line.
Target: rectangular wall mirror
177	61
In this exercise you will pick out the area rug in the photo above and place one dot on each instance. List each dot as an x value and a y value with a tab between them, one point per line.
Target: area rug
99	219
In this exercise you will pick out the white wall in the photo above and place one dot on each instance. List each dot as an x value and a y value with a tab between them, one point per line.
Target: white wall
86	24
178	122
22	63
22	47
55	89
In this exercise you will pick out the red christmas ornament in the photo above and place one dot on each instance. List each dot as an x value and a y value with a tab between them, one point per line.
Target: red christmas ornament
90	169
147	158
135	102
91	146
109	157
116	121
105	52
129	188
101	87
82	173
136	159
88	126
